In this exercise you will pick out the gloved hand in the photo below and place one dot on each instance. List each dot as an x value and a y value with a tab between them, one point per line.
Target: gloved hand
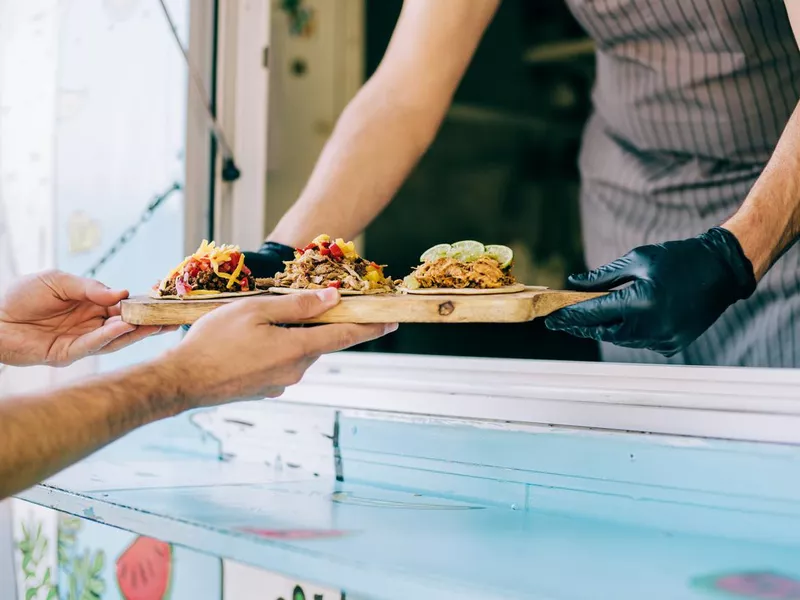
679	289
268	259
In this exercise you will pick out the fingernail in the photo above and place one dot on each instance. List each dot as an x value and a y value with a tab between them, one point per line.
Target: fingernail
327	295
392	327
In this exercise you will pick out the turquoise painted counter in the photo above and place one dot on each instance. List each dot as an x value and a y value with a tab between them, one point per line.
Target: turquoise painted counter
390	507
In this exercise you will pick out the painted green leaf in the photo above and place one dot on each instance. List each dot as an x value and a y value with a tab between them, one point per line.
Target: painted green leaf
31	593
46	578
26	561
52	594
99	562
97	586
298	593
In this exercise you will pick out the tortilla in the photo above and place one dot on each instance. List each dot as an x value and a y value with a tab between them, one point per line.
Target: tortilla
283	290
506	289
154	294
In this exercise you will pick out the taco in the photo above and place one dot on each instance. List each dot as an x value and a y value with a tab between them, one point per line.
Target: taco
466	267
211	272
327	263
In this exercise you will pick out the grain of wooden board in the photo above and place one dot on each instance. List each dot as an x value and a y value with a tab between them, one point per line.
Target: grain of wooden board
396	308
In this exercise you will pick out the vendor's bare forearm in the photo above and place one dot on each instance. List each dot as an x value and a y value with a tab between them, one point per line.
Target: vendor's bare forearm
768	222
374	147
391	121
43	433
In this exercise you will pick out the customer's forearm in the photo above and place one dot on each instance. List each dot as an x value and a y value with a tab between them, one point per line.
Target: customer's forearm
42	433
376	143
768	222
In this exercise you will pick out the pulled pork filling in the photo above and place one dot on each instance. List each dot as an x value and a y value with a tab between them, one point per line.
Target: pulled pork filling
313	270
484	273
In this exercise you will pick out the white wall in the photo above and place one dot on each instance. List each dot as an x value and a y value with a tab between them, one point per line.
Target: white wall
27	154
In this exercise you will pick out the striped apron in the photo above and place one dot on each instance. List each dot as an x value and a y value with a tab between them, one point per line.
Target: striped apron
690	99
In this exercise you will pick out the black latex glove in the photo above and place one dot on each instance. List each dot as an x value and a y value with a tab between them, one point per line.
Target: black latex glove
268	259
679	289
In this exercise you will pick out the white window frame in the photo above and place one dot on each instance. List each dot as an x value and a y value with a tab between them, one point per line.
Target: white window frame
243	89
197	187
242	95
734	403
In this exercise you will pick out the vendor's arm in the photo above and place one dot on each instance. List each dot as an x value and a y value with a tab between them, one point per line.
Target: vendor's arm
233	353
680	288
769	220
389	124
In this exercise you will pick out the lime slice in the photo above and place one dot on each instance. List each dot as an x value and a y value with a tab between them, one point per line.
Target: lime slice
467	251
410	282
502	254
438	251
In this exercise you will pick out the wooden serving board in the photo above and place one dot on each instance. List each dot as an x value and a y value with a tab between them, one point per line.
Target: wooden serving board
390	308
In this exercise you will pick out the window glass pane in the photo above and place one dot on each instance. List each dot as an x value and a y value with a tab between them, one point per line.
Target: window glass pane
120	130
92	129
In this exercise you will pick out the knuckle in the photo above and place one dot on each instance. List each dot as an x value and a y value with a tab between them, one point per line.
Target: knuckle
274	391
301	347
50	274
293	355
288	376
304	302
295	376
347	337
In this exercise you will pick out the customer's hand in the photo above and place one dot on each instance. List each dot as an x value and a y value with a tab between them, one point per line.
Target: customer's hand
268	260
679	289
55	318
236	352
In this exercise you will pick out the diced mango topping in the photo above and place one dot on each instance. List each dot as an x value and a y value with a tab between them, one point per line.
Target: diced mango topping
347	248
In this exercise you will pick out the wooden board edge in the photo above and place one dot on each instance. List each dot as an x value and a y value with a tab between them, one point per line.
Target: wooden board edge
547	303
438	309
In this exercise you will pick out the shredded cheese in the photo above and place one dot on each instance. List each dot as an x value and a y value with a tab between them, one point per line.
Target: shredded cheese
236	272
216	255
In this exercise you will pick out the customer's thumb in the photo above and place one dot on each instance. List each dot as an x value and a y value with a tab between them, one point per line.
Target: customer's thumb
293	308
